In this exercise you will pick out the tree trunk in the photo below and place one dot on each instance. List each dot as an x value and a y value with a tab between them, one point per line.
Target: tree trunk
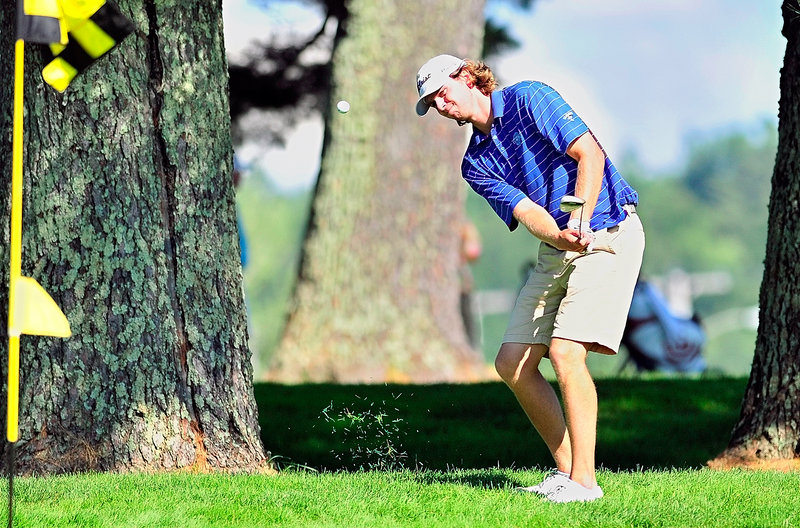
129	223
377	297
769	425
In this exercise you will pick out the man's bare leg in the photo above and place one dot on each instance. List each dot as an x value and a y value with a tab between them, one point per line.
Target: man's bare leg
580	406
518	365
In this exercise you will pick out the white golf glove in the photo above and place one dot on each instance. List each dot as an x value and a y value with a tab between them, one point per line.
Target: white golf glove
585	230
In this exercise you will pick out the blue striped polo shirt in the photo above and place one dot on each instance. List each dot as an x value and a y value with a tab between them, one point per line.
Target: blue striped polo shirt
525	155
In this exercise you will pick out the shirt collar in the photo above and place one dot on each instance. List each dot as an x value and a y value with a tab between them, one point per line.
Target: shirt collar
498	108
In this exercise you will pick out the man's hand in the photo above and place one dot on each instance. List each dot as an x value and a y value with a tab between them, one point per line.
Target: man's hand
572	240
543	226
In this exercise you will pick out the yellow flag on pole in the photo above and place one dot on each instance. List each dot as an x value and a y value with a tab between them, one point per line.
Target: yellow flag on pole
35	312
30	309
78	31
94	27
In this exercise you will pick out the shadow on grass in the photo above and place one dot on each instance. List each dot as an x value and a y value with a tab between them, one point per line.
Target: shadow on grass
657	423
483	479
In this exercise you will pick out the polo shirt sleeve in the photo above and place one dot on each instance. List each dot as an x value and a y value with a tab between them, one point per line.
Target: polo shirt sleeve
502	197
554	117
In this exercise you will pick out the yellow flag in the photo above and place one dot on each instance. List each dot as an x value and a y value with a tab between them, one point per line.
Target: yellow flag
47	8
94	28
80	9
35	312
40	21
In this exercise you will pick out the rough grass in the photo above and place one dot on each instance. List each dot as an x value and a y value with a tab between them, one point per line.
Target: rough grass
651	423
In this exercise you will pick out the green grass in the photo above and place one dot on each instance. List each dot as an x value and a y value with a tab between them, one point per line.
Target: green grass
465	448
429	499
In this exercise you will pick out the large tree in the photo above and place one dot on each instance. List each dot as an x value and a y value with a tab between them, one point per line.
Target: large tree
129	223
378	291
769	425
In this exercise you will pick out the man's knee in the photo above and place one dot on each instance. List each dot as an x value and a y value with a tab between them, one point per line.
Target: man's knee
506	363
513	358
567	355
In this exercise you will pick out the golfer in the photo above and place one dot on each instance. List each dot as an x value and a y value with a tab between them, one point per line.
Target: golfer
529	149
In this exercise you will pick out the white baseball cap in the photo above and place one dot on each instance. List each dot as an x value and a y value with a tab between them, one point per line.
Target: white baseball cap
433	75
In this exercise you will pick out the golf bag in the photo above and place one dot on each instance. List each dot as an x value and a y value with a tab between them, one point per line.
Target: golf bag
657	340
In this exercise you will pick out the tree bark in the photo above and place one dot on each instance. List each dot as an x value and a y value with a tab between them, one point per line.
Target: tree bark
377	297
769	425
129	223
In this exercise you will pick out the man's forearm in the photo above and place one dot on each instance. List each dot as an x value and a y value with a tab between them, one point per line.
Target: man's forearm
537	220
588	185
589	181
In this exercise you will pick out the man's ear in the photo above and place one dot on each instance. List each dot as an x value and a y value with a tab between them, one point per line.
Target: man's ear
467	78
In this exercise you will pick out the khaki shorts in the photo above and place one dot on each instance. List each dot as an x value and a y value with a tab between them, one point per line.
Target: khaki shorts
581	297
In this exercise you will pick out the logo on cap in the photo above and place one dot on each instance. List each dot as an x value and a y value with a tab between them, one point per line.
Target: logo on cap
421	81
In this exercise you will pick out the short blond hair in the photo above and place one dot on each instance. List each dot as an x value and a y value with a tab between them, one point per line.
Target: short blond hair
481	75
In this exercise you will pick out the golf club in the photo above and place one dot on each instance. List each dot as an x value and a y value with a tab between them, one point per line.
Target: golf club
569	203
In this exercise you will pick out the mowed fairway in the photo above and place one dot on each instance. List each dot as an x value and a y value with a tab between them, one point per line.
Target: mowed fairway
459	452
468	498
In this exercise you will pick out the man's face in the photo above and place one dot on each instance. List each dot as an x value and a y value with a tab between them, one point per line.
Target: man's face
451	100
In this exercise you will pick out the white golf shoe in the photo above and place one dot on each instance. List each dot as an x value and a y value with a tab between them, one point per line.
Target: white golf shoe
545	486
564	489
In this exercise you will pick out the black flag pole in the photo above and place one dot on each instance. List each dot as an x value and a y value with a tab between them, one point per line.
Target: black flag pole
10	463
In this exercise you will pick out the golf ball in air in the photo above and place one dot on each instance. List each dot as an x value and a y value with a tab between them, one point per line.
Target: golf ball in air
343	107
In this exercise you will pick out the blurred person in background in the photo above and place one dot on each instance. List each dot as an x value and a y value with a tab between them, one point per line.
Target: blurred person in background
470	251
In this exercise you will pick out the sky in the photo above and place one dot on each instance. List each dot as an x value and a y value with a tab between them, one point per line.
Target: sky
647	77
